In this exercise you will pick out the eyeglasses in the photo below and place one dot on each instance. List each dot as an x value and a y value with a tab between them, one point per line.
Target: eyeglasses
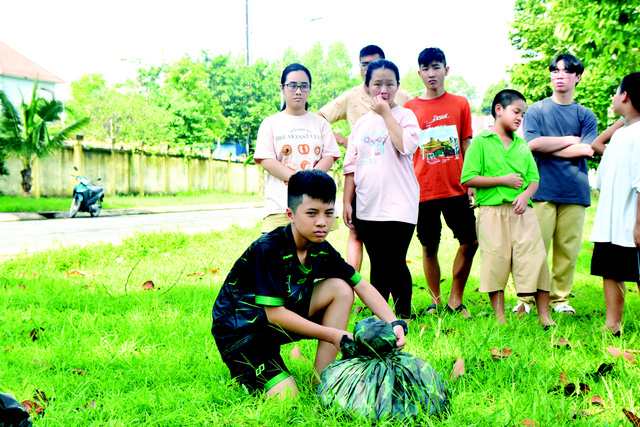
564	72
304	87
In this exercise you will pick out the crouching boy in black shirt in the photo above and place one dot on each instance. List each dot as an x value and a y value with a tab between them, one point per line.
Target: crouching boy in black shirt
288	285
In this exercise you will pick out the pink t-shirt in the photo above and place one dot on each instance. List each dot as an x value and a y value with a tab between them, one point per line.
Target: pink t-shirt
298	142
386	184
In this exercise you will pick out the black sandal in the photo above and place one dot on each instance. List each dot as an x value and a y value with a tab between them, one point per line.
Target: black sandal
458	309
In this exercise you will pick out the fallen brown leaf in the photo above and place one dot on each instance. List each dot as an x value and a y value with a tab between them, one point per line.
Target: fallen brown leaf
500	354
148	285
617	353
296	353
213	271
458	369
32	407
563	378
43	364
21	286
195	275
76	273
532	362
92	403
529	422
597	400
632	417
35	333
561	342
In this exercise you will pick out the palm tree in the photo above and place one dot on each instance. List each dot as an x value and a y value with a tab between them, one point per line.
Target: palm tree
26	135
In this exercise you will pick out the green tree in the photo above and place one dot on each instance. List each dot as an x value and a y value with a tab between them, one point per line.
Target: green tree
492	90
459	86
412	83
126	112
604	34
25	133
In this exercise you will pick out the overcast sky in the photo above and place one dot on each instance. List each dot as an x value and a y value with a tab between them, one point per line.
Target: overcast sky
72	37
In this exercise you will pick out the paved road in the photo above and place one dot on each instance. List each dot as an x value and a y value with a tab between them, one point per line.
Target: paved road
30	236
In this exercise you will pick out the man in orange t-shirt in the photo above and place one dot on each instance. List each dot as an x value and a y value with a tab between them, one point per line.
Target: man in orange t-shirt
445	120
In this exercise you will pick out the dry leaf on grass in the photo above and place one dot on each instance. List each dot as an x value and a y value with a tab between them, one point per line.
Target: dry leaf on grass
195	275
617	353
35	333
563	378
458	369
603	370
561	342
500	354
296	353
632	417
43	364
529	422
597	400
213	270
36	406
77	273
148	285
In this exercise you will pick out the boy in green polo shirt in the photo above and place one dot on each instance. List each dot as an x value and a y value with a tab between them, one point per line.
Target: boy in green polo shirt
500	165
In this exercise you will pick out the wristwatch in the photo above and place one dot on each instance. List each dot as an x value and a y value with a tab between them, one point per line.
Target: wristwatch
401	323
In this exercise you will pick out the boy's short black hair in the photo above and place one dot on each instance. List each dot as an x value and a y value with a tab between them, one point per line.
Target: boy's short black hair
631	84
571	63
431	54
372	49
314	183
381	63
505	98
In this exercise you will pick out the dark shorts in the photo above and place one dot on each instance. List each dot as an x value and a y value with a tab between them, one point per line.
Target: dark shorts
615	262
458	215
257	363
254	360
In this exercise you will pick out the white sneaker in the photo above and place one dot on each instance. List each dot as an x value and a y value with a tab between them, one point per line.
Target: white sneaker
527	308
564	308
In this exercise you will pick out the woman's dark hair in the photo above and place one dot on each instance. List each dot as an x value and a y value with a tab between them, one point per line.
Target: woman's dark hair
505	98
289	69
381	63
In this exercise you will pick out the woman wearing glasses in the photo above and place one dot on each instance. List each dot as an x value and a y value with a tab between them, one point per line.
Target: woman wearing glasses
292	140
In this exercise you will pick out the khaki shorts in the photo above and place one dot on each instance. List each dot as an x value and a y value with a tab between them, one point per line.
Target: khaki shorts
511	243
273	221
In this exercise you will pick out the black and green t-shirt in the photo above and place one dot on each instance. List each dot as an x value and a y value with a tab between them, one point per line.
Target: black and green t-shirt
269	273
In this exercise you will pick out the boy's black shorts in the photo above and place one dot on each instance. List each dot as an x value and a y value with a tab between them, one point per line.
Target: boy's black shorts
259	367
458	215
619	263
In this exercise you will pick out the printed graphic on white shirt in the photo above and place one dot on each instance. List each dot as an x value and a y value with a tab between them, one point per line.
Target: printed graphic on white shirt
439	144
371	147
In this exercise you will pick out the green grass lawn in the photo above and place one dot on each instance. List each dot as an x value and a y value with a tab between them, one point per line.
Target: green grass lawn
109	353
22	204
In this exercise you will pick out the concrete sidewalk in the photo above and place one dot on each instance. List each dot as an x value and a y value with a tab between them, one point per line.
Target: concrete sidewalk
34	216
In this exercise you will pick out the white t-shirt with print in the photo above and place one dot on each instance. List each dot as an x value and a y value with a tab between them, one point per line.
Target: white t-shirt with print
298	142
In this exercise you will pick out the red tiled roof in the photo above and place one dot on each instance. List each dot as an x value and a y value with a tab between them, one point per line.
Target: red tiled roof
14	64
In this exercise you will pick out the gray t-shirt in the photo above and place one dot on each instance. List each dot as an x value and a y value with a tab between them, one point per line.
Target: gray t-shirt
561	180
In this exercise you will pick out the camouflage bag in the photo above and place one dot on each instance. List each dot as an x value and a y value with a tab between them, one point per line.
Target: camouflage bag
12	413
376	380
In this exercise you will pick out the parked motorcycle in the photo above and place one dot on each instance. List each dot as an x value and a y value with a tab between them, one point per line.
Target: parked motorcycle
87	197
